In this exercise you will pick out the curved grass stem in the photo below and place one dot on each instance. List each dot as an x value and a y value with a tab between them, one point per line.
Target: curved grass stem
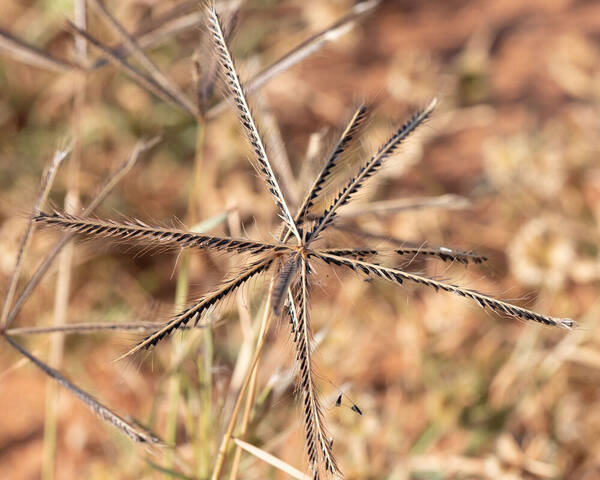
251	395
227	436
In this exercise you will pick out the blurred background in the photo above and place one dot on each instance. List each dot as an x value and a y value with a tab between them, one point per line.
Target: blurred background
447	391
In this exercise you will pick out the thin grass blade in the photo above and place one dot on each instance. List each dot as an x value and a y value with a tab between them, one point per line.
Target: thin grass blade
142	79
271	460
448	201
156	73
167	26
82	328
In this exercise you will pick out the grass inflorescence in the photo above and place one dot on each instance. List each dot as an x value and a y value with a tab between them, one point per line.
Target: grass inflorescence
290	260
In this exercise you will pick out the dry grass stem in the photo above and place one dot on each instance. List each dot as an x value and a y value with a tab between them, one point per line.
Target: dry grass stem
145	81
23	52
128	428
251	390
157	75
251	130
271	459
112	181
281	159
159	30
45	186
83	328
227	436
302	51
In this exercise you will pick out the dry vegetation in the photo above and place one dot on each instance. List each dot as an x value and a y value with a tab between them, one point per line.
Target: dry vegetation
414	384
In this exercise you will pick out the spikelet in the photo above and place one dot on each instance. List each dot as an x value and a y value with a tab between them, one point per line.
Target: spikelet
318	447
194	312
369	168
352	129
137	231
247	120
484	301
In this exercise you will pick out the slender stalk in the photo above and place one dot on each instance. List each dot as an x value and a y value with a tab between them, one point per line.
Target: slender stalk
45	186
249	332
129	428
61	301
65	264
205	364
251	393
112	181
23	52
174	386
181	294
205	419
157	75
216	474
145	81
84	328
272	460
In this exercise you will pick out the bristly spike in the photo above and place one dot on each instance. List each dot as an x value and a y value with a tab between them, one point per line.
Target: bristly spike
194	312
348	135
319	448
249	125
485	301
442	253
304	50
369	168
138	232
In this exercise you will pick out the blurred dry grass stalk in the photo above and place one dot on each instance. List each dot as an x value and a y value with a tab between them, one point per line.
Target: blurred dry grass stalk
197	404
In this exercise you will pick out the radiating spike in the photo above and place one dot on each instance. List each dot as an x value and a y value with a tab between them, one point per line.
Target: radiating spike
485	301
153	236
246	118
369	168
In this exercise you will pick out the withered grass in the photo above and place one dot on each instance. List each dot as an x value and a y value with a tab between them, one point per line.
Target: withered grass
289	261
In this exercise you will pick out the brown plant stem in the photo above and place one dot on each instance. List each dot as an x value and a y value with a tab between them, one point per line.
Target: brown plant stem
220	459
